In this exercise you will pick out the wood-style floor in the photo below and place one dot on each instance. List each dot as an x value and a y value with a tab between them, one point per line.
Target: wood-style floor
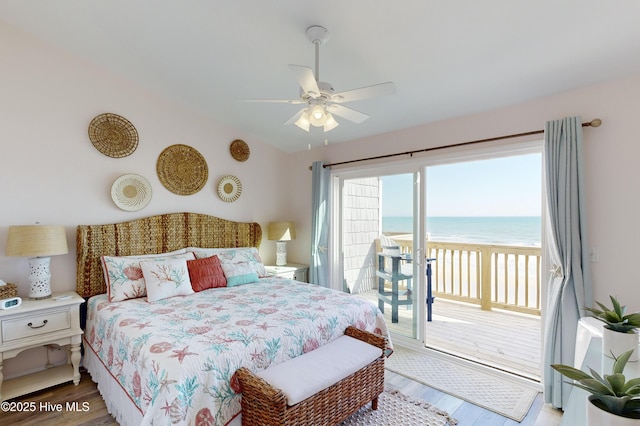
44	414
506	340
86	392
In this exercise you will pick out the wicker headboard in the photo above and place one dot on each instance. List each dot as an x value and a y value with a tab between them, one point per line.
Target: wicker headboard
155	234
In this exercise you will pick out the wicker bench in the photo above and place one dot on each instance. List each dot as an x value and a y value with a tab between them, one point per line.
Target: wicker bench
321	387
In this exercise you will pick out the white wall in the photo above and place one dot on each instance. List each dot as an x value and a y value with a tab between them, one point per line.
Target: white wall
611	156
52	174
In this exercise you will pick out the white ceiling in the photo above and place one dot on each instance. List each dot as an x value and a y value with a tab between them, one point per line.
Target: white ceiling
446	58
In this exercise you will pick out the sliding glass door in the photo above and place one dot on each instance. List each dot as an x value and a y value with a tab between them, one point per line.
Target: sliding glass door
381	237
379	251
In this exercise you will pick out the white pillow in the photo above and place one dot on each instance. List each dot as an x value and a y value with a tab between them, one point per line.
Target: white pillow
124	278
234	255
166	278
138	256
239	273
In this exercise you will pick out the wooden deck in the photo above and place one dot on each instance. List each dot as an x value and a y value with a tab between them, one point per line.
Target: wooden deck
502	339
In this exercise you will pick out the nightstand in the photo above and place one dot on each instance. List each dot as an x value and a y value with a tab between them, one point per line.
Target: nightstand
292	271
36	323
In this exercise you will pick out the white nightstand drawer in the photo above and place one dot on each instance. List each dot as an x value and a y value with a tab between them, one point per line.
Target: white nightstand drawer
33	325
292	271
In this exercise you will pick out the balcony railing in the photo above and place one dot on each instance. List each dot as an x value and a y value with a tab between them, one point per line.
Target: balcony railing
492	276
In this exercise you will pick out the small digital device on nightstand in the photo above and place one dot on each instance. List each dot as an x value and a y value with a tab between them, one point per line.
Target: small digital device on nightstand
11	302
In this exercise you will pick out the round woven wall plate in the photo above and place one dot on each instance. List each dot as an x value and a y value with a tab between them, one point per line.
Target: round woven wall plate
131	192
239	150
229	188
182	169
113	135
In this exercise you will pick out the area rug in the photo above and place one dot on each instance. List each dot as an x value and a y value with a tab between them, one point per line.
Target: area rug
398	409
504	396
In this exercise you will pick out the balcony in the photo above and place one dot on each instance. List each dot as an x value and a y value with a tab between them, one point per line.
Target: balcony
487	303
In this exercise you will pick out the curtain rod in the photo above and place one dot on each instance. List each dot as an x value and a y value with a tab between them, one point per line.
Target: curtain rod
596	122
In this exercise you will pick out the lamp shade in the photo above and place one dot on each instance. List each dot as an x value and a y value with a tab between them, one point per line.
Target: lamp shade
36	240
281	231
303	122
330	123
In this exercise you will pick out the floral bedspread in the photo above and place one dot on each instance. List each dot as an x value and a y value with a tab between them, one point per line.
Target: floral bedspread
175	358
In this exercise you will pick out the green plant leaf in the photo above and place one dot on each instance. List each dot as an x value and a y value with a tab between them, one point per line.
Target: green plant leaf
595	312
632	406
597	386
621	361
570	372
604	308
619	310
632	387
614	404
598	377
611	317
616	382
633	319
586	388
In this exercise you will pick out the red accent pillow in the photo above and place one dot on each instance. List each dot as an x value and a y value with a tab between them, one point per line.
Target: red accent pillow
206	273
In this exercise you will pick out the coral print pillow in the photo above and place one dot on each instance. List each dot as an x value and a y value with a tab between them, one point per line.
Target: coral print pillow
249	255
166	278
123	275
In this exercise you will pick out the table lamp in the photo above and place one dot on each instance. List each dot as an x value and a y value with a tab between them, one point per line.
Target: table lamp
281	232
38	242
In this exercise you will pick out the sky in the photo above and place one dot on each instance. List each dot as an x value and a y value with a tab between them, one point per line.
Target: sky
509	186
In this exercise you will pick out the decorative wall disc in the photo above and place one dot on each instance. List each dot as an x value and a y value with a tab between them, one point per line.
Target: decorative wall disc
229	188
113	135
239	150
182	169
131	192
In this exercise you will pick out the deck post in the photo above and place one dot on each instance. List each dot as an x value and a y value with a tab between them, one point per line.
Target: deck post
485	280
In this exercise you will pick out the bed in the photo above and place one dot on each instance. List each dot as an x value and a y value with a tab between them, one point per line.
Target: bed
172	360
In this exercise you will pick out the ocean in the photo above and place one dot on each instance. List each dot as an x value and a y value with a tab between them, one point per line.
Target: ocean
516	230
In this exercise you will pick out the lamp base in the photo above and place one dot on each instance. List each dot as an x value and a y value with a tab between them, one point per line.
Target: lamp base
39	278
281	253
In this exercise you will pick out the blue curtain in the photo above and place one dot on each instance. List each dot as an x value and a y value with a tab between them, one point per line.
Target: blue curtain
319	265
569	288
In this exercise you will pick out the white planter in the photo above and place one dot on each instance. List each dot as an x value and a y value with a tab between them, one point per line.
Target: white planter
619	343
598	417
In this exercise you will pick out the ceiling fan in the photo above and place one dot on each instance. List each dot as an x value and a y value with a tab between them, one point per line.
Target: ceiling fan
320	99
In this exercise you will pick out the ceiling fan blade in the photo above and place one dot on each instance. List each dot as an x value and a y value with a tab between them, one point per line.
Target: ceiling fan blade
348	113
307	81
381	89
279	101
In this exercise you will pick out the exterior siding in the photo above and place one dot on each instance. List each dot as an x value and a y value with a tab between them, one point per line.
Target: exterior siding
361	219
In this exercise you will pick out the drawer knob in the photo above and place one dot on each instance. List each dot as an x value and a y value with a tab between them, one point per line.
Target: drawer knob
30	325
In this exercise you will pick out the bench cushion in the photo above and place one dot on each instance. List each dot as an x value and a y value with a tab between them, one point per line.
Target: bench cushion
302	377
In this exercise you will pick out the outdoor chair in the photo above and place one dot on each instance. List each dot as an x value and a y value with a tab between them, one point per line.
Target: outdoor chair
394	267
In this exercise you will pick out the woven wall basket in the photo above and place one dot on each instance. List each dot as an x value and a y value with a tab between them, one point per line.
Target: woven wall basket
182	169
239	150
131	192
113	135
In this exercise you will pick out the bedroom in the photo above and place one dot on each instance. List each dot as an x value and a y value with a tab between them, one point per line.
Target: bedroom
52	174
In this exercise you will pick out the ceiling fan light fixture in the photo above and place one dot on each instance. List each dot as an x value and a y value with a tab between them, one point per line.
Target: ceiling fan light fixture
330	123
318	116
303	122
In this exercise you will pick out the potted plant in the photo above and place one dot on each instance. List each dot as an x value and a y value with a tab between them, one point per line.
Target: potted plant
619	333
613	399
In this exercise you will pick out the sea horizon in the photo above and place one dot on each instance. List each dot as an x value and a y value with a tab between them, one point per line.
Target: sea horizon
505	230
